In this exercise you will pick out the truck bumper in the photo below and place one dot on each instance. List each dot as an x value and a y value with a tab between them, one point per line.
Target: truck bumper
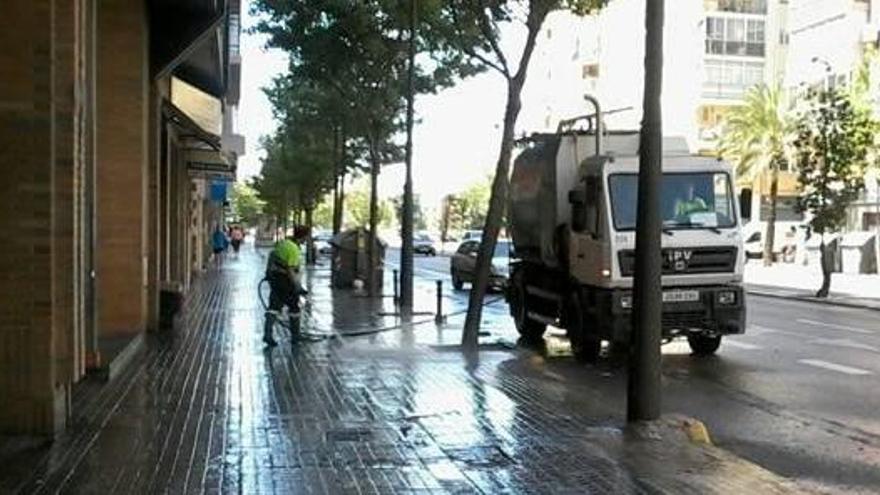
717	310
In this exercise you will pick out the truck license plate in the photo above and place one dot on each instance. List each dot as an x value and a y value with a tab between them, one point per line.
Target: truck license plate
676	296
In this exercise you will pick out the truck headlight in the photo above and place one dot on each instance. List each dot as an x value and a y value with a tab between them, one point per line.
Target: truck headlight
727	297
626	302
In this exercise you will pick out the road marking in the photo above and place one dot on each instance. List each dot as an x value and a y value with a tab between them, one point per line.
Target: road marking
818	363
741	345
835	326
760	330
849	344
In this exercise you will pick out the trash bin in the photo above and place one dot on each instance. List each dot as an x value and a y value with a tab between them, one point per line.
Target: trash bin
814	254
170	303
351	259
857	253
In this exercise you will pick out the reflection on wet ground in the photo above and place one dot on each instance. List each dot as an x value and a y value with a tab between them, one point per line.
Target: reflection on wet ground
206	408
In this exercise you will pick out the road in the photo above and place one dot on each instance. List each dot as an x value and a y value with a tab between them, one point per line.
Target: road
799	393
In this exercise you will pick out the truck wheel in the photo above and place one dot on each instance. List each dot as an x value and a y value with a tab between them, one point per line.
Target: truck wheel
584	346
528	328
457	283
704	345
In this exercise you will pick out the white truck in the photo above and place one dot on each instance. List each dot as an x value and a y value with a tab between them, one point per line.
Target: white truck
572	220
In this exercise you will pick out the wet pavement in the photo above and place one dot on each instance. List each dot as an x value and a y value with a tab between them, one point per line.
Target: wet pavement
206	408
797	394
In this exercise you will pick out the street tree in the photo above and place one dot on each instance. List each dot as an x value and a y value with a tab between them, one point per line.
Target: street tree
835	144
757	136
419	221
324	214
367	53
357	206
643	378
473	28
246	203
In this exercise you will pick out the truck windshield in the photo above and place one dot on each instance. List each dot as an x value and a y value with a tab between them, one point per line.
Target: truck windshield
688	200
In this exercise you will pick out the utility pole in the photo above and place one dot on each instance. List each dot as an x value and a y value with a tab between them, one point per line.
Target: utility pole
643	391
406	228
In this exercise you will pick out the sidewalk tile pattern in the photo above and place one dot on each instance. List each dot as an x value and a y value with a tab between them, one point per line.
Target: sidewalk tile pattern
206	409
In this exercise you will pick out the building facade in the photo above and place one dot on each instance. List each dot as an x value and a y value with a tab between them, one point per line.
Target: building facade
100	195
714	51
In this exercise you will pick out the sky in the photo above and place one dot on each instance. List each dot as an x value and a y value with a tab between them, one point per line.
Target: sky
455	142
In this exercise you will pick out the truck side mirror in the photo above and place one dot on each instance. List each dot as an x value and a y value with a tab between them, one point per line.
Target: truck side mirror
578	200
745	204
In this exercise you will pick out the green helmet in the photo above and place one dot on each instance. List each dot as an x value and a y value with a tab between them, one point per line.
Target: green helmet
288	252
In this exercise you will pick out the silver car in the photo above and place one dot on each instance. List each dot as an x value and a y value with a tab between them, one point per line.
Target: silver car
463	264
424	244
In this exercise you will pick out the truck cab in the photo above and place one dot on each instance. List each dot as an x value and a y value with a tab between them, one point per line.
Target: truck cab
580	275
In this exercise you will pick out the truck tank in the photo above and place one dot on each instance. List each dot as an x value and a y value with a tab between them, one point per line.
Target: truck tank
543	174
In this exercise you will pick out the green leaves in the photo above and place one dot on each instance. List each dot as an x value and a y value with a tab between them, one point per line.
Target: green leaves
835	143
246	203
758	134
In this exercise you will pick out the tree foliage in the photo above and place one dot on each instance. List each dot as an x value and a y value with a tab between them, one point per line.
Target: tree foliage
467	209
357	206
757	135
356	53
420	222
835	144
246	203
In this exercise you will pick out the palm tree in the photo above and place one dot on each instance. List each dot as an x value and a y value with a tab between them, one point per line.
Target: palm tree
757	135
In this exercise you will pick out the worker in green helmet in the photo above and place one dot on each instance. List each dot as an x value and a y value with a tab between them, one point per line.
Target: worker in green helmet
690	204
282	273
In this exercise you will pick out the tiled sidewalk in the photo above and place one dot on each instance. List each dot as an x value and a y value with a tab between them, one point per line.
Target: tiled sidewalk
207	409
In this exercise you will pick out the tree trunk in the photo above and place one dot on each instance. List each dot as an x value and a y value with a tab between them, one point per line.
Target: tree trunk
338	179
406	227
372	255
444	221
770	234
342	200
285	214
310	244
826	269
500	185
643	387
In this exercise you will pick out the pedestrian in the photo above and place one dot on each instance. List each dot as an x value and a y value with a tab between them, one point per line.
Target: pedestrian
282	273
236	238
218	244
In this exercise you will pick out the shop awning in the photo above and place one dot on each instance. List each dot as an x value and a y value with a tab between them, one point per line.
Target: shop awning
189	128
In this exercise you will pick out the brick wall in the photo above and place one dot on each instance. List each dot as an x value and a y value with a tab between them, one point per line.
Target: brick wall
38	108
122	113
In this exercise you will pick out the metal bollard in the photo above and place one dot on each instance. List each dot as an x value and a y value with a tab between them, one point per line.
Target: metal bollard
438	317
396	288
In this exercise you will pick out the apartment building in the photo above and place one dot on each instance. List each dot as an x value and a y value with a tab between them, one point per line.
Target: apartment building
714	51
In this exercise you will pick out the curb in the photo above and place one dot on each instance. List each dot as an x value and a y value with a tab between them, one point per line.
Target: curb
674	428
674	454
811	299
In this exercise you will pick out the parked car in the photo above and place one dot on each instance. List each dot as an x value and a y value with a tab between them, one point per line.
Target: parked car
754	246
463	264
424	244
322	242
789	236
472	235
